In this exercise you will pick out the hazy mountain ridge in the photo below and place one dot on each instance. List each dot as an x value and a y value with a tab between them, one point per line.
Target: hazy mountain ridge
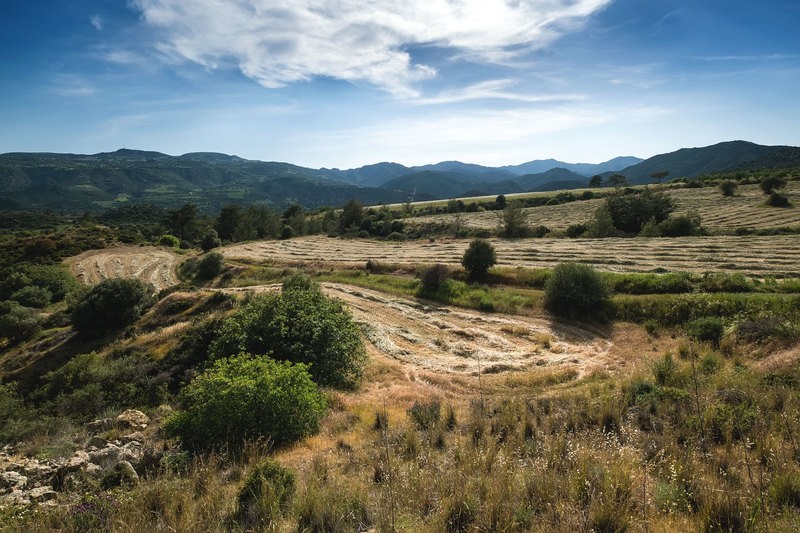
80	182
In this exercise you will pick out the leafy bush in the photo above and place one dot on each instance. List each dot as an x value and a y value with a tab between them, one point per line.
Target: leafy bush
629	212
478	258
776	199
169	240
246	397
210	265
728	187
770	183
55	278
425	415
576	230
706	329
266	492
515	222
575	290
111	304
298	325
680	226
210	241
433	277
18	323
32	296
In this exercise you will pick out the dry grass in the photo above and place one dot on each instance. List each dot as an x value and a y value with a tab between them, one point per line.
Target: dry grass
152	265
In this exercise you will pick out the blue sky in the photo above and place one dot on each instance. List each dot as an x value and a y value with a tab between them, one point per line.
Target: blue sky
343	83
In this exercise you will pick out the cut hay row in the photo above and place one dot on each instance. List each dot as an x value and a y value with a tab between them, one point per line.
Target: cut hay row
151	265
753	255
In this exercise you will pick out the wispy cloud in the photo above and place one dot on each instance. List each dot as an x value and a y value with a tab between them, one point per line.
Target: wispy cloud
97	22
277	43
71	85
741	58
493	90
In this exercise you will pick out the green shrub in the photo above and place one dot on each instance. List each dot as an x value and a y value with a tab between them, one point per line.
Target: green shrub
210	265
706	329
575	290
576	230
785	489
18	323
394	236
32	296
265	495
728	187
425	415
245	397
287	232
433	277
776	199
302	326
770	183
210	241
111	304
630	212
169	240
479	257
680	226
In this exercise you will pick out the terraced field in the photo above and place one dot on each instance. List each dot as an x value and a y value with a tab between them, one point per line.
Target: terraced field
151	265
757	256
746	209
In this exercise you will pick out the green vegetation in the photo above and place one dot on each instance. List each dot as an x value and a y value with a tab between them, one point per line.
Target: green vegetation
242	398
300	325
479	257
111	304
576	291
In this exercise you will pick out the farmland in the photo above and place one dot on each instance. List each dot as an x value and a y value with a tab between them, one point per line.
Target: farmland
751	255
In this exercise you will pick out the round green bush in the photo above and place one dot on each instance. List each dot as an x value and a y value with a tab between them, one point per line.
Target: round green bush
244	398
210	265
169	240
111	304
32	296
574	290
479	257
266	492
18	323
301	325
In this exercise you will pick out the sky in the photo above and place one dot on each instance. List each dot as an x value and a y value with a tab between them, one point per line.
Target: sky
344	83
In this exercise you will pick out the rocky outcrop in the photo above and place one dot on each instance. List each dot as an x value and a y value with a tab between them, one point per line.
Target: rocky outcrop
100	463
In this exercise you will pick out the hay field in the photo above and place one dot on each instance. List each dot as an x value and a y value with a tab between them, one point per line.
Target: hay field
151	265
746	209
754	255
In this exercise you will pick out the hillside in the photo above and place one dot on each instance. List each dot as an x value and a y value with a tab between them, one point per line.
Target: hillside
100	181
692	162
534	182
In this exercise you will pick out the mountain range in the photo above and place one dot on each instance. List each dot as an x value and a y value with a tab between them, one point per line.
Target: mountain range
74	182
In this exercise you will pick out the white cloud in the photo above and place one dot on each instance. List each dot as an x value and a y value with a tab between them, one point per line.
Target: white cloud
277	42
71	85
494	90
97	22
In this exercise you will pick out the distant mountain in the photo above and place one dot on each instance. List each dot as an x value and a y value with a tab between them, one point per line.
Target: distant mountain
73	182
584	169
534	182
475	171
370	175
436	185
692	162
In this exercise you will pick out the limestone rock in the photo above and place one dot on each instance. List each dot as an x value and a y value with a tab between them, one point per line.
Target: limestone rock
12	481
42	494
136	436
122	474
133	419
107	457
16	498
97	442
103	424
77	461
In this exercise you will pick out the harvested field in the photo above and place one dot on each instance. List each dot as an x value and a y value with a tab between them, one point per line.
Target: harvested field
151	265
746	209
451	340
753	255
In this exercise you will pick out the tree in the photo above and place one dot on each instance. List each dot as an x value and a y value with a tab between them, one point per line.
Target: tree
185	222
631	211
433	278
601	225
228	219
770	183
18	323
575	290
728	187
617	181
210	265
479	257
659	176
500	202
596	181
210	241
515	222
246	397
300	325
352	216
111	304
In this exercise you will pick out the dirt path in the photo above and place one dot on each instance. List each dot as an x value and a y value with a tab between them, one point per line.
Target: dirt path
151	265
